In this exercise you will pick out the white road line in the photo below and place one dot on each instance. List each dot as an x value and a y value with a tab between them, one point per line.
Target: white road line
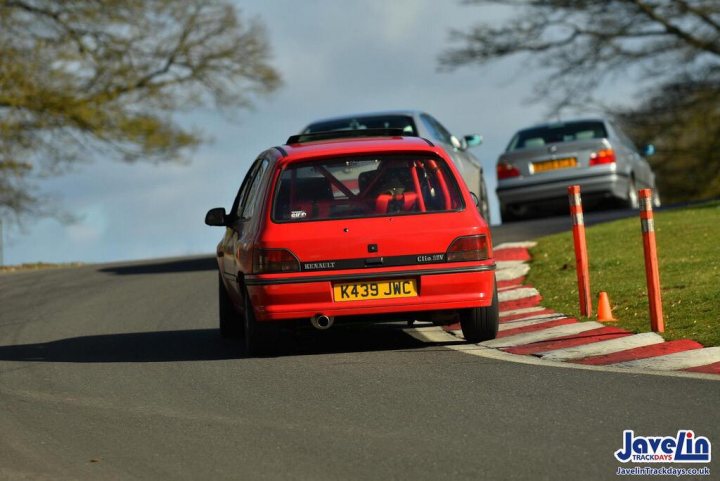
542	335
603	347
523	310
516	294
514	245
675	361
504	326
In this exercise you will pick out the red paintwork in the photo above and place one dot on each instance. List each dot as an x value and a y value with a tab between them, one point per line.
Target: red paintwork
527	315
713	368
537	327
531	301
338	239
512	254
517	282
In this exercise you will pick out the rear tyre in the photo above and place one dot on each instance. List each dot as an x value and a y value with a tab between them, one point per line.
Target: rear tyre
481	323
511	214
231	324
259	337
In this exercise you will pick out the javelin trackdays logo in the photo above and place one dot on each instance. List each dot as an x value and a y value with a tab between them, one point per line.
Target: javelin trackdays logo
683	448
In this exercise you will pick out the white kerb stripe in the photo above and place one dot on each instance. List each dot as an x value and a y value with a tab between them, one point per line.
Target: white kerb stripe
542	335
603	347
515	245
549	315
504	326
501	265
511	273
524	310
675	361
515	294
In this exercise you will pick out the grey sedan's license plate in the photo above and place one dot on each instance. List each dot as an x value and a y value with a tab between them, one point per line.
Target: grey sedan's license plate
554	164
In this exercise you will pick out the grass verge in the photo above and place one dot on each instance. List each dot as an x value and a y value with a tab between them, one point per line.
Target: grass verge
35	266
688	255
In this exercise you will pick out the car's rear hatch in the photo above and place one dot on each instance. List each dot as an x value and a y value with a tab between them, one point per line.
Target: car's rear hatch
369	214
377	244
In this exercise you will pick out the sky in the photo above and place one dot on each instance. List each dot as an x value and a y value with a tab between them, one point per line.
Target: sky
335	57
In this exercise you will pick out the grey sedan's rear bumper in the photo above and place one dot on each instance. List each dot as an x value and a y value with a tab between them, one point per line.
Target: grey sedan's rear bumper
528	191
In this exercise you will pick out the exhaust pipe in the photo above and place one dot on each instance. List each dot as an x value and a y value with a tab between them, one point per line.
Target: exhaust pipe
322	322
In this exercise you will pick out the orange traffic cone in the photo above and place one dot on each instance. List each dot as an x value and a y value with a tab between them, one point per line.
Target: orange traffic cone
604	311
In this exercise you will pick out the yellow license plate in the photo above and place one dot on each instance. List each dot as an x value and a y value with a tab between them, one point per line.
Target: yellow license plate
361	291
554	164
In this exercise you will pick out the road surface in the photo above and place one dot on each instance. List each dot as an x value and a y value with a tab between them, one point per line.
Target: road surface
117	372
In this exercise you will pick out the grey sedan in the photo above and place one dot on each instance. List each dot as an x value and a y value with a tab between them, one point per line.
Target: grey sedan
542	161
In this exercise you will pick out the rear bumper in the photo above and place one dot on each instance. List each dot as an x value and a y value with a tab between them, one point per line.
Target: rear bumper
525	191
275	300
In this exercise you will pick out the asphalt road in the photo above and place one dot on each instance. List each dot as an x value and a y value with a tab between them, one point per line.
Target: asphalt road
117	372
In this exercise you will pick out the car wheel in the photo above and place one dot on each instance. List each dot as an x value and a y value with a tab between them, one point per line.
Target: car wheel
511	215
259	337
231	324
481	323
632	201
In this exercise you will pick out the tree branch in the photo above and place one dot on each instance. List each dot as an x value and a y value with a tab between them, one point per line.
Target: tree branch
649	12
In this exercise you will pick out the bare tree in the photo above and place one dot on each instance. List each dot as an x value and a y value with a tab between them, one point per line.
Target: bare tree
682	119
87	78
581	43
668	49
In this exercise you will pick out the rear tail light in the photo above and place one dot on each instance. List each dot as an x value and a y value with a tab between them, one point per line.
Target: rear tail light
506	171
606	156
270	261
469	248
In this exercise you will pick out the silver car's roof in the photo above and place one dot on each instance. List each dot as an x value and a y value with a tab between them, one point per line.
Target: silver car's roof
408	112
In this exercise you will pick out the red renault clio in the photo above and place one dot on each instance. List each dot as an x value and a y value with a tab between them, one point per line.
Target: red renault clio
348	225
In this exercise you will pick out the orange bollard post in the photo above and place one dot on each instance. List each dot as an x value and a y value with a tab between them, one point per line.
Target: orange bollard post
652	273
581	257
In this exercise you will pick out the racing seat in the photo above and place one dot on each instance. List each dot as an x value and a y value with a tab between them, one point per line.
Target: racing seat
391	202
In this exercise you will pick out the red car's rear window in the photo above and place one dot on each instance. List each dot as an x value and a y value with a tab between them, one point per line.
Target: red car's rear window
368	186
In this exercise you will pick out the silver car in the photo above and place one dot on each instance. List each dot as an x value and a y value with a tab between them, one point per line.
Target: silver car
415	122
542	161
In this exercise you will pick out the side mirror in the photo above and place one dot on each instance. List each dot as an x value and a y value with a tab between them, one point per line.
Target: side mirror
216	217
473	140
649	150
455	142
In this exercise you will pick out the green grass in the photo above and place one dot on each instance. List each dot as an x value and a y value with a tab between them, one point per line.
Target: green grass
37	266
688	244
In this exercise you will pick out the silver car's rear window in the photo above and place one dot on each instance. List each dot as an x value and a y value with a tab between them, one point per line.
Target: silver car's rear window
402	122
561	132
353	187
